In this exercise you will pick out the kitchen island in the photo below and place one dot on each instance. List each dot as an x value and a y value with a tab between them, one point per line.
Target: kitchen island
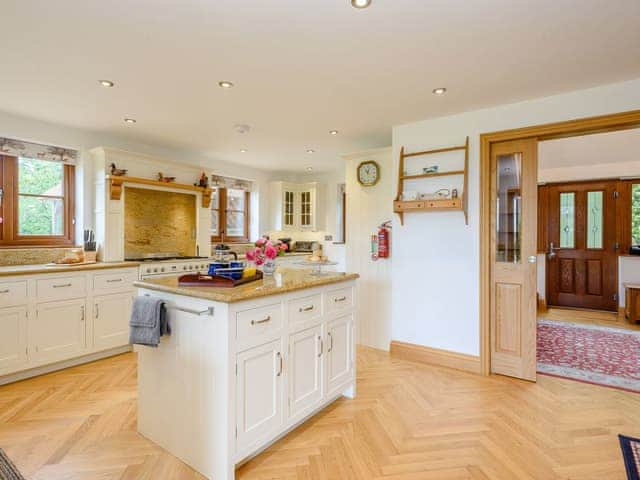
243	366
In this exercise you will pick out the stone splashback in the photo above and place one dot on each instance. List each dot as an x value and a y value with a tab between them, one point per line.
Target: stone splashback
31	256
157	221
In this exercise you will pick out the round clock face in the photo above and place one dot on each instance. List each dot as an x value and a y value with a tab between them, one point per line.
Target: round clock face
368	173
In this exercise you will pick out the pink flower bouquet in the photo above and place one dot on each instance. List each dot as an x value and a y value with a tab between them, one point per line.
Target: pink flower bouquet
265	249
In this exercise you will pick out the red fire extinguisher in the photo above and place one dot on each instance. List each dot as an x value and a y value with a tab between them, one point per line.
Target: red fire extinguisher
382	242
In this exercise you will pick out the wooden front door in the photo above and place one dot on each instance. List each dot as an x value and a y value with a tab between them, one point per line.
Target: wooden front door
513	257
582	266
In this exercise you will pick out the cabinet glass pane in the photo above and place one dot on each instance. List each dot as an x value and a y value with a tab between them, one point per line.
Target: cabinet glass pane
567	220
509	208
635	214
594	219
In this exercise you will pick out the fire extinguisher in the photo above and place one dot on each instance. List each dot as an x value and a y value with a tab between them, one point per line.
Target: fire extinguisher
380	242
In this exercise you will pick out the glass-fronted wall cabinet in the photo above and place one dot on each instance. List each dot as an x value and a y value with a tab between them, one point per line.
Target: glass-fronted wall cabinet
294	206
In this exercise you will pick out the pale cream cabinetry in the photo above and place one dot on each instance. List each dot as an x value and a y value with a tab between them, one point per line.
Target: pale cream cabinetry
294	206
52	320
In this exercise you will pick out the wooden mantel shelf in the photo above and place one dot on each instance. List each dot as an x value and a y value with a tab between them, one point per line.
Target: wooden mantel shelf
115	187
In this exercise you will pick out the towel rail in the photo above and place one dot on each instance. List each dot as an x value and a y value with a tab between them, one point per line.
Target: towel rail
209	311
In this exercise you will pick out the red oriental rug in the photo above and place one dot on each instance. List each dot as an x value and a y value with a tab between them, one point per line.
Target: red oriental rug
590	353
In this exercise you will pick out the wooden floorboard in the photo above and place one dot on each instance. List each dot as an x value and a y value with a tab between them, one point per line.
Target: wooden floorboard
588	317
409	421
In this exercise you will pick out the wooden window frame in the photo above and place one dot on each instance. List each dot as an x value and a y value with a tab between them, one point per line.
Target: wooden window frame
9	229
222	218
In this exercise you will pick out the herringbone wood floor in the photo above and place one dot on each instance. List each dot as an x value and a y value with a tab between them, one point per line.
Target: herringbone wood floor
409	421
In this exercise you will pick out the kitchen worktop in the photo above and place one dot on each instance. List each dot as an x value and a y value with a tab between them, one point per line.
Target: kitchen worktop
284	280
12	270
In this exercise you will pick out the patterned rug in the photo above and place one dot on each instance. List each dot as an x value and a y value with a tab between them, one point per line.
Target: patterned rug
631	453
8	471
589	353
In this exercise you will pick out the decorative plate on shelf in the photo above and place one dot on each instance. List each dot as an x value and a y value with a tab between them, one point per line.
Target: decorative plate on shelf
368	173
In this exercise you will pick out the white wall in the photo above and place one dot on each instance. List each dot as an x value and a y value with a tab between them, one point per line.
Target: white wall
435	268
367	208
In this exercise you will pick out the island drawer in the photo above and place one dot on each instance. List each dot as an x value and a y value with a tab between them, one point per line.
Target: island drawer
255	323
339	299
114	281
305	308
61	288
13	294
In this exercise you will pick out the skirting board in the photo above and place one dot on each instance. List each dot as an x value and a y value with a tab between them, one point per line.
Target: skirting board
34	372
435	356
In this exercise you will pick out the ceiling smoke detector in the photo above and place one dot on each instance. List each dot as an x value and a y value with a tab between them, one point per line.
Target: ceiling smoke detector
241	128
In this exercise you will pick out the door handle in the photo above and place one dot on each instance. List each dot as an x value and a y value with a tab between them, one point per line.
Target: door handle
330	347
552	250
321	346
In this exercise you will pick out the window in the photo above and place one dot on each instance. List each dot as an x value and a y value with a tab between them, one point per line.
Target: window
36	202
230	215
635	214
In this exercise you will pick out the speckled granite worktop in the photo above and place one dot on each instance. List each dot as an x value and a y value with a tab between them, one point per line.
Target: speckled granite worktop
45	268
283	281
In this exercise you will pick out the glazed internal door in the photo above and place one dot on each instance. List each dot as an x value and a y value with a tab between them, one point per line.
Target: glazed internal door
582	259
513	258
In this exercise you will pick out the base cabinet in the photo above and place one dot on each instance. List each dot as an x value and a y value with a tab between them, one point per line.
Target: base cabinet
339	352
305	370
13	339
57	331
111	320
259	386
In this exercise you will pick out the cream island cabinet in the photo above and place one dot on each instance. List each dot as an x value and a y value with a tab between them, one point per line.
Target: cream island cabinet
52	318
244	366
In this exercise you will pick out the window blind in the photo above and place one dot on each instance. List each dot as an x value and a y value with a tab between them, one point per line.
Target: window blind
18	148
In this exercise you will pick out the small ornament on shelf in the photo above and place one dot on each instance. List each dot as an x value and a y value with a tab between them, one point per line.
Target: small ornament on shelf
203	181
117	172
162	178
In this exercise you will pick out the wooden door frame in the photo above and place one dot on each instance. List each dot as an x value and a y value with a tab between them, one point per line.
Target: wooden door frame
570	128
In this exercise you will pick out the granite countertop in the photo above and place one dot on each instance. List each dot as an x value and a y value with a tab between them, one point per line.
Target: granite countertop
10	270
283	281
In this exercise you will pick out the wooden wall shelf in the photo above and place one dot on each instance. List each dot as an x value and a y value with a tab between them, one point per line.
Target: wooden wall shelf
447	204
115	187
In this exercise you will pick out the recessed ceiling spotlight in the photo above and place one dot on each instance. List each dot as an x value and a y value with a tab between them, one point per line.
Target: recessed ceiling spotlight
225	84
243	150
106	83
130	120
439	91
309	169
333	132
311	150
360	3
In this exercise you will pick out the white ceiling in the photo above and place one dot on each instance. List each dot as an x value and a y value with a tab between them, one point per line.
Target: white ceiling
301	67
601	148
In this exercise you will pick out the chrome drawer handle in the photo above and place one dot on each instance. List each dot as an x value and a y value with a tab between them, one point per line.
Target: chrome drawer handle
114	280
64	285
307	308
258	322
341	299
4	291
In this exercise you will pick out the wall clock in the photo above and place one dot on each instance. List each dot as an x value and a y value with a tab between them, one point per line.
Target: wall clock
368	173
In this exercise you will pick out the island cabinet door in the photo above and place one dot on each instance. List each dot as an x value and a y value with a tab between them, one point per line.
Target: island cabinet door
259	393
339	347
305	370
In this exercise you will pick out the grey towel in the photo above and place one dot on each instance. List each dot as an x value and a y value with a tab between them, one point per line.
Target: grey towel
148	321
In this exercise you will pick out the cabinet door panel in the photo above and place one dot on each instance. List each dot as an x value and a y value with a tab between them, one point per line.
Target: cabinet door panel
58	331
13	340
305	370
259	393
339	354
111	320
